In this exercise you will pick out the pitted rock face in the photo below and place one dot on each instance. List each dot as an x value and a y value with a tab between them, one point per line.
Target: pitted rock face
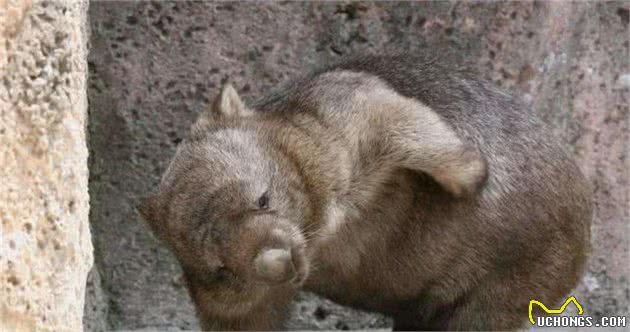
45	245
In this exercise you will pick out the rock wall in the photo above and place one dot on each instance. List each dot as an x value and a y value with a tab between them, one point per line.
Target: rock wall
45	245
154	66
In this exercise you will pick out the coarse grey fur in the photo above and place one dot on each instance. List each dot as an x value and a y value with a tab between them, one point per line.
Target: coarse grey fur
400	184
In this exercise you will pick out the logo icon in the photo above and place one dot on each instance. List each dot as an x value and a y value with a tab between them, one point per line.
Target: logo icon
554	311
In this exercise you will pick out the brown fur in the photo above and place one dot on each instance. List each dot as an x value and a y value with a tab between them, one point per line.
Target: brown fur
398	184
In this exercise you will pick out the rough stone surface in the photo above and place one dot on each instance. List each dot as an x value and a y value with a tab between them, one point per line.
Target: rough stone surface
154	66
45	244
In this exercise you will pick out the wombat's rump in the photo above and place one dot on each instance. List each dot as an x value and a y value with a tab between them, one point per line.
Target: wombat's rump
398	184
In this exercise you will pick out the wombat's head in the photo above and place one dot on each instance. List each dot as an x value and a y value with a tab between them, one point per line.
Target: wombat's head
228	211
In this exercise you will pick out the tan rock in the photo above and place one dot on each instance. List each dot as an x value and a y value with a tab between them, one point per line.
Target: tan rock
45	246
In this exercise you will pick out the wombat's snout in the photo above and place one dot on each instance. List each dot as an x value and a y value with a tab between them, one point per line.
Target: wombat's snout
275	265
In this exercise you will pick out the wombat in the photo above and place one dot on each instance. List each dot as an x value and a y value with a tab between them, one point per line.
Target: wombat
401	184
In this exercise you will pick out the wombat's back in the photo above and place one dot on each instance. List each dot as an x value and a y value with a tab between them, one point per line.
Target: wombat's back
534	213
525	159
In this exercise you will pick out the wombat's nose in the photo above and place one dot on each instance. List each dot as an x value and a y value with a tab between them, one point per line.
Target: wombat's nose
274	265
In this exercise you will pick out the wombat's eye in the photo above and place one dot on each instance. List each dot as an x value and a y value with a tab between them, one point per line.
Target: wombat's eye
222	274
263	201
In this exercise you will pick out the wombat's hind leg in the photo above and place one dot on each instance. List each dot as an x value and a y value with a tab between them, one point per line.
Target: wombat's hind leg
421	141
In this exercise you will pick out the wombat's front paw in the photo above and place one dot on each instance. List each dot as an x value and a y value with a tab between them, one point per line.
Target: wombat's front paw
275	265
464	175
281	265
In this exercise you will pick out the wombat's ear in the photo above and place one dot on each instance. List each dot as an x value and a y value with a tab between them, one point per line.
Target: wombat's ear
229	104
148	208
226	105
